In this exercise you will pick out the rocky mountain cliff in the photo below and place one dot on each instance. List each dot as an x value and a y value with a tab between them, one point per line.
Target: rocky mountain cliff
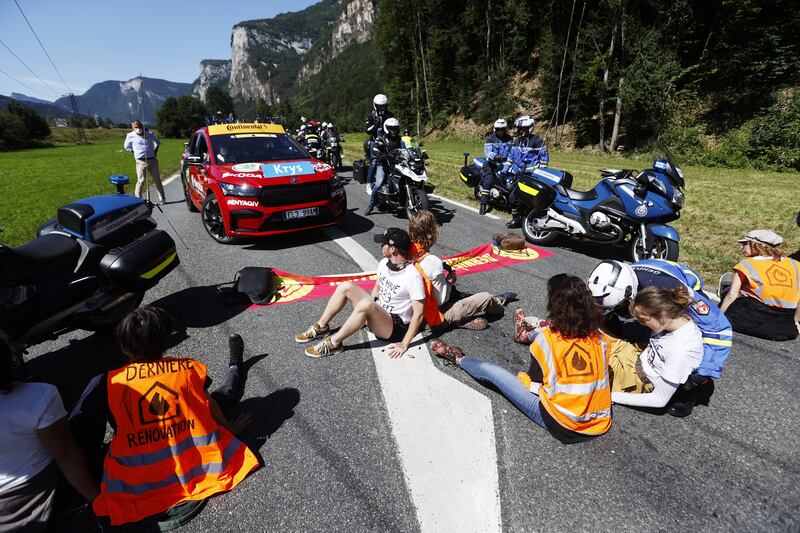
119	100
212	72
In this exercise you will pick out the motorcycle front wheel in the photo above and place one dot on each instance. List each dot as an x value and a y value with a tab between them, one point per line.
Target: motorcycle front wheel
537	236
417	201
662	249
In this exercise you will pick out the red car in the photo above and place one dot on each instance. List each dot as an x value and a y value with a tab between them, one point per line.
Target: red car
253	180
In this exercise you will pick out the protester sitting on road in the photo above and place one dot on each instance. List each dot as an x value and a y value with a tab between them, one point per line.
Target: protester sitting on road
36	443
173	446
566	390
394	310
446	306
762	296
614	284
650	378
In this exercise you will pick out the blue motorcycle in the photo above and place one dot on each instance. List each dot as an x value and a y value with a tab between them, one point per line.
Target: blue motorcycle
625	207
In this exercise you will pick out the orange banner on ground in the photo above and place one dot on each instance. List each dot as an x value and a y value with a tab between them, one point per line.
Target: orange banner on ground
294	288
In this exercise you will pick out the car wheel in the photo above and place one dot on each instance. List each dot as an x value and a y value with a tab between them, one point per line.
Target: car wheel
663	249
189	203
212	220
537	236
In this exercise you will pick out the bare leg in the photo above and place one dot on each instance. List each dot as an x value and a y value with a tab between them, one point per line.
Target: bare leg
345	292
366	312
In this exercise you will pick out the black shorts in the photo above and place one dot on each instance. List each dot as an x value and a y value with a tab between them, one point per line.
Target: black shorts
399	328
755	318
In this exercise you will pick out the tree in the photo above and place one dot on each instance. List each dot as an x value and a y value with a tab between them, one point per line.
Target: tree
35	125
218	101
167	118
13	133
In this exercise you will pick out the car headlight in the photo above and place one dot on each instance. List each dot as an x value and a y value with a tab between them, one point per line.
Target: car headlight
678	198
229	189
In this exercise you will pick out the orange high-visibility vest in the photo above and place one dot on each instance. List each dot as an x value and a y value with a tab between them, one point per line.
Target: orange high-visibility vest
167	448
433	316
775	283
575	390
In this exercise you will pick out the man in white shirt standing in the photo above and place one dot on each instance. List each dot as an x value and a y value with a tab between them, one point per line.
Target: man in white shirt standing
393	311
144	145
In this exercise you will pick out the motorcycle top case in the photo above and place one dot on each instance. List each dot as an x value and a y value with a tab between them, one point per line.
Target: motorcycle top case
99	217
470	176
535	194
360	171
140	265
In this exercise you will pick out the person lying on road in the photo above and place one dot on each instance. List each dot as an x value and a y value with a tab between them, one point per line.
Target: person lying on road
445	306
566	391
394	310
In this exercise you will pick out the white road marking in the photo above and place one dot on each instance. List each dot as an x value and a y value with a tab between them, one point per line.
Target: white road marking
464	206
444	432
170	179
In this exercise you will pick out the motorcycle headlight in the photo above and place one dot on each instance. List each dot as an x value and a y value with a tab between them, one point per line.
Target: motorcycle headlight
678	198
229	189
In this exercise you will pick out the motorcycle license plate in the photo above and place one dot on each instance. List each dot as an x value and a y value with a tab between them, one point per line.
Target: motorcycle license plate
301	213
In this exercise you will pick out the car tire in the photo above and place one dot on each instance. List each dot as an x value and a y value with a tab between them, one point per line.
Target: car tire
212	220
189	203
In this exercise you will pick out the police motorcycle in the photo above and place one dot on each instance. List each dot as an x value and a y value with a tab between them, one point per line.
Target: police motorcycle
404	186
501	186
333	147
626	207
86	269
313	143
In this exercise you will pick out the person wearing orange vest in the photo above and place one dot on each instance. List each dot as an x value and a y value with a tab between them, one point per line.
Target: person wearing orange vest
172	446
764	295
567	390
445	306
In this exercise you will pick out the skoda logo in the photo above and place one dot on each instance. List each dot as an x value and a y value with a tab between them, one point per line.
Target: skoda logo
293	180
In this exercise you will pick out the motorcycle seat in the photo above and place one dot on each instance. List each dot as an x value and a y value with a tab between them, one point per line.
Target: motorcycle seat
577	195
45	255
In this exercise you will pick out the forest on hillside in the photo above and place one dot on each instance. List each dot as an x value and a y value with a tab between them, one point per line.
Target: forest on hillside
716	80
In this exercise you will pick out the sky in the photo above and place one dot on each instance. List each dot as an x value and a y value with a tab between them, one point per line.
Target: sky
92	40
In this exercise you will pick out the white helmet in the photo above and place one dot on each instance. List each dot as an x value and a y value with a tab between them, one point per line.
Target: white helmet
524	122
330	125
611	282
303	127
500	123
324	124
391	123
380	100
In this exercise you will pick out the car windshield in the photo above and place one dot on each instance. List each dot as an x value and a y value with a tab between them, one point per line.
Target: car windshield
255	147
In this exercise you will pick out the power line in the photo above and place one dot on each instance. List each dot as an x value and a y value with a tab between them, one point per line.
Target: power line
10	51
23	84
43	48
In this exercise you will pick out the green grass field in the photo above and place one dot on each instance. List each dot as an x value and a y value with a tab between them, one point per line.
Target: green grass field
721	204
33	183
68	137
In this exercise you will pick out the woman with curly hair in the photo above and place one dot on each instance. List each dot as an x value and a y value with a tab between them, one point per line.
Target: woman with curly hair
573	400
764	295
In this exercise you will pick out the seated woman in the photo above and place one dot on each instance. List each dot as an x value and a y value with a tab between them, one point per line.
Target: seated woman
36	443
173	447
573	401
675	350
764	295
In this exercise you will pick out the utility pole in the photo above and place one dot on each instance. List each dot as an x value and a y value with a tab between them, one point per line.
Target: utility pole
78	126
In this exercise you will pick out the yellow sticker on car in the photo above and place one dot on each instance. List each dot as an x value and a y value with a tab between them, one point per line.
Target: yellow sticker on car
226	129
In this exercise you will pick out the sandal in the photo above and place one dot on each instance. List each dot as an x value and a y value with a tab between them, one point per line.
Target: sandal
521	327
451	354
476	324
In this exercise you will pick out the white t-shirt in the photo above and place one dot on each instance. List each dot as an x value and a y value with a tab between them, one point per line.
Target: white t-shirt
432	266
27	408
396	289
674	356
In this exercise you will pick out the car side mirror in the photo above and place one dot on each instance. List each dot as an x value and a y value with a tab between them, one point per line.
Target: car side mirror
194	160
425	155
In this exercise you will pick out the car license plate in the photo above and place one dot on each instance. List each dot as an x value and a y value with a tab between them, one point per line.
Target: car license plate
301	213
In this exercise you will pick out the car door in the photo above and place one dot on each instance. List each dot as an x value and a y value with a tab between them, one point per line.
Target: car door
198	175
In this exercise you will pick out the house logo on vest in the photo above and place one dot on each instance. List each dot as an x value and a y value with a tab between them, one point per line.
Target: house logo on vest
576	362
158	404
779	276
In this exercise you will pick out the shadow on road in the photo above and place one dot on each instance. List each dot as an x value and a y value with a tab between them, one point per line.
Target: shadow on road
269	413
353	224
198	307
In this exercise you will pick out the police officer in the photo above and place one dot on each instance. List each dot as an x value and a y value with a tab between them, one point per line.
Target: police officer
528	150
382	148
375	120
614	283
496	148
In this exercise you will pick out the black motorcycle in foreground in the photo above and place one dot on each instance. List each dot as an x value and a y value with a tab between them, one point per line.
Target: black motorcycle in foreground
86	269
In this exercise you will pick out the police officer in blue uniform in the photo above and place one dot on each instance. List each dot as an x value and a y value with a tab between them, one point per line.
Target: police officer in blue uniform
527	152
614	283
497	149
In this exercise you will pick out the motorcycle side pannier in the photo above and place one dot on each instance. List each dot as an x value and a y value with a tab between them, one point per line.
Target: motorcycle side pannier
360	171
534	194
140	265
470	176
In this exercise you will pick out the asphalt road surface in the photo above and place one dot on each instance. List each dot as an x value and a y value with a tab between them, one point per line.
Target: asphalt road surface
359	442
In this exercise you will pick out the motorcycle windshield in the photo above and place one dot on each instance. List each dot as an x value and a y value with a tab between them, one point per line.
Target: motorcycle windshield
664	161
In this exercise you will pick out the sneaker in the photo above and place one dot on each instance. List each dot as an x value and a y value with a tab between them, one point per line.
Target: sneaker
236	346
369	189
476	324
314	331
450	354
323	349
522	329
506	298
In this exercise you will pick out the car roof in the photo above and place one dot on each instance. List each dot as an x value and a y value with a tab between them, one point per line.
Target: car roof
227	129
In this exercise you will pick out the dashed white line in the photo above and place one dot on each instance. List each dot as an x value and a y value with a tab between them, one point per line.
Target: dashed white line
464	206
444	432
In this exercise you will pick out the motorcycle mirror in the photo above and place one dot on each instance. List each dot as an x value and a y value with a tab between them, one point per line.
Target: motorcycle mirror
466	155
120	181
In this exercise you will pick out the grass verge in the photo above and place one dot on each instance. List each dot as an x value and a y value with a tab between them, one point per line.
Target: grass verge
721	204
34	183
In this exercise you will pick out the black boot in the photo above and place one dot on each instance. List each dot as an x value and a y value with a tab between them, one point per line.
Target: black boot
236	347
685	398
515	222
485	208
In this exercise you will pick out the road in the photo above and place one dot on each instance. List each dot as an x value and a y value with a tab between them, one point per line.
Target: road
358	442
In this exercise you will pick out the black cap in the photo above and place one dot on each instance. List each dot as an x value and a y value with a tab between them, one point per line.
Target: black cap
395	237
